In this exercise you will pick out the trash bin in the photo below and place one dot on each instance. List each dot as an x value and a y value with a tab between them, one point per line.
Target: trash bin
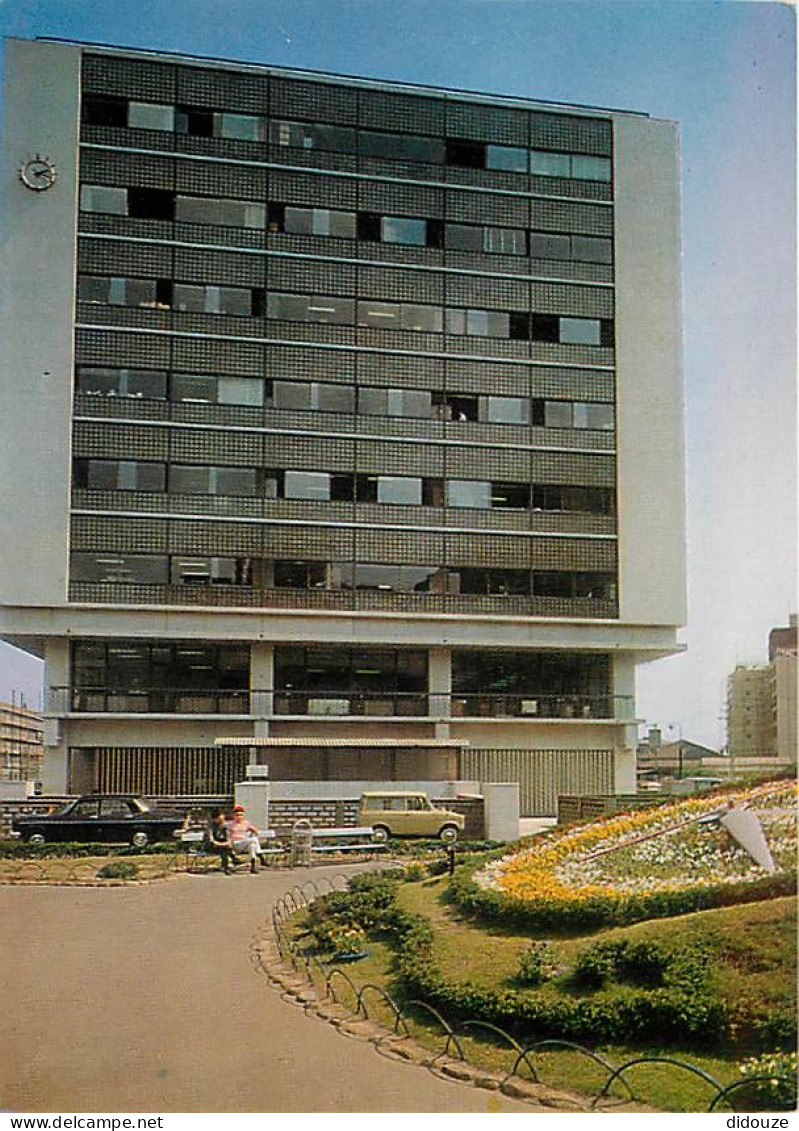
301	835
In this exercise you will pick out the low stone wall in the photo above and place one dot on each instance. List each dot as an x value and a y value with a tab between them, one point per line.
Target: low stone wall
282	814
572	807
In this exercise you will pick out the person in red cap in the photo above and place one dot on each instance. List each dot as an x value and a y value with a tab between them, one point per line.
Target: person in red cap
244	837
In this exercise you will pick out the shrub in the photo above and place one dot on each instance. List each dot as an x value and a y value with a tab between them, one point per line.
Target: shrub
118	870
596	965
777	1092
414	872
537	964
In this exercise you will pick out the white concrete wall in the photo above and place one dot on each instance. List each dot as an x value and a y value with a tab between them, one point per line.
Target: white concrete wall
352	790
650	426
37	270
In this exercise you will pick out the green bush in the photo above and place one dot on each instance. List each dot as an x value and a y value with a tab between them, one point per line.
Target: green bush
17	850
118	870
537	964
776	1088
603	910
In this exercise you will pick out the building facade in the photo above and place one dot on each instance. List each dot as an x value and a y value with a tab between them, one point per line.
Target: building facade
762	702
20	743
361	408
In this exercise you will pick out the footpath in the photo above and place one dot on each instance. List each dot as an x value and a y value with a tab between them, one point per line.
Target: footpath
115	1000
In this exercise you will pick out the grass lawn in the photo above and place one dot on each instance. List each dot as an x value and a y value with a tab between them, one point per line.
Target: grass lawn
82	869
755	956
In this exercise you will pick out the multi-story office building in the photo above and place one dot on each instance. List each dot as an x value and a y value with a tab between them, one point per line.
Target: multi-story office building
761	702
349	417
20	743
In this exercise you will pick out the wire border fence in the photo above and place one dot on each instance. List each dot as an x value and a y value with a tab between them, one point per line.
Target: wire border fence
325	976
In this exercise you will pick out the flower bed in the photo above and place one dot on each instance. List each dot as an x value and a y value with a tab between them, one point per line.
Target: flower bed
650	862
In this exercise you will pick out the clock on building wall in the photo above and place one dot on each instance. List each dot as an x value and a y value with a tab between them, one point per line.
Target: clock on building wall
38	173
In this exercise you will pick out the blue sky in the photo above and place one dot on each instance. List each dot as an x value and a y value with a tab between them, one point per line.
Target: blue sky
725	71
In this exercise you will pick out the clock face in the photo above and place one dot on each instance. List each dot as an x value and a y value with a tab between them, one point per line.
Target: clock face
38	173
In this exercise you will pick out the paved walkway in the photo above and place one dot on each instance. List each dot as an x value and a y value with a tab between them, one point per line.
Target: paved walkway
114	1000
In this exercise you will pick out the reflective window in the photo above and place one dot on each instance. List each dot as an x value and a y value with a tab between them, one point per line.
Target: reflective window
306	135
99	198
510	495
217	390
239	301
225	213
320	222
546	246
383	314
147	383
373	402
396	229
399	489
507	410
313	395
463	237
119	475
479	323
307	485
186	570
429	319
200	480
505	241
545	164
401	147
131	569
151	116
598	416
468	493
119	291
208	123
311	308
558	414
409	402
592	249
241	127
508	157
580	331
590	168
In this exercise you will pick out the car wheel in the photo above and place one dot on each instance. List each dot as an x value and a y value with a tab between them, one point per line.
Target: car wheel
380	834
140	839
449	834
35	840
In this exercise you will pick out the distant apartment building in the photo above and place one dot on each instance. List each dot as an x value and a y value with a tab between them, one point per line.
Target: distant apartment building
348	419
21	745
762	702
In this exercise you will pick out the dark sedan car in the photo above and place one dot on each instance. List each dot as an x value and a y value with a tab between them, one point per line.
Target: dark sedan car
112	819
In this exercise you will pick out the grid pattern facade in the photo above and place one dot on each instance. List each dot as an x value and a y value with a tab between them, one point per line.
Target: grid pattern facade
326	332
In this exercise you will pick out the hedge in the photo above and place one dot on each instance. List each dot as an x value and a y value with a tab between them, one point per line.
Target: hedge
605	910
672	997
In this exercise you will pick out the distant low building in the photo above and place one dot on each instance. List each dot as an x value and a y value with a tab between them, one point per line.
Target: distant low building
672	759
20	743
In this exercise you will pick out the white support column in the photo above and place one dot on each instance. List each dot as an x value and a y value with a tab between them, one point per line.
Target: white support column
262	682
439	686
57	694
626	736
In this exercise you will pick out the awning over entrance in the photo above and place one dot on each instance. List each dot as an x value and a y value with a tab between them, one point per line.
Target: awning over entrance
349	743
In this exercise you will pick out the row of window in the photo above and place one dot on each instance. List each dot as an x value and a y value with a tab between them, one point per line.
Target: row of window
319	396
160	204
163	294
197	122
325	486
180	569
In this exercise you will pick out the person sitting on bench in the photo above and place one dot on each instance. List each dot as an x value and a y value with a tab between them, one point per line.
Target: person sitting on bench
218	840
244	837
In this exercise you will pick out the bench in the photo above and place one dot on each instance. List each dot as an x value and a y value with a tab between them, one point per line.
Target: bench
347	840
200	857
